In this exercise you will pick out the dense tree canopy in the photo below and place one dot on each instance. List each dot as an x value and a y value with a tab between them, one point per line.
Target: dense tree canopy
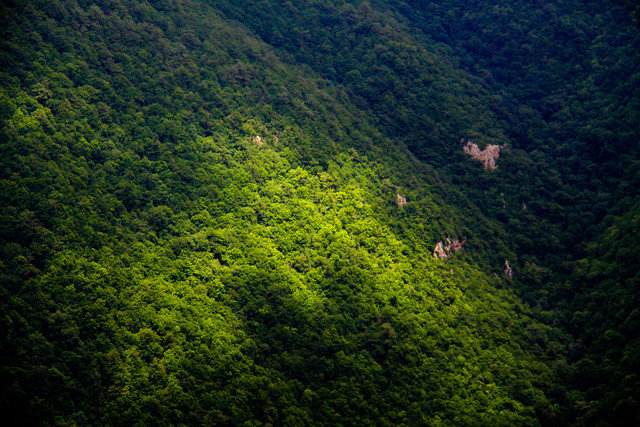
222	212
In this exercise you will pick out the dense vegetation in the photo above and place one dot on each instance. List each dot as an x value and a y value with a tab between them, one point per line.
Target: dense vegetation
201	218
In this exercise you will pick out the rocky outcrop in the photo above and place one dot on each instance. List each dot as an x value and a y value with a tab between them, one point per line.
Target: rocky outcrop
488	156
443	250
439	252
400	199
507	269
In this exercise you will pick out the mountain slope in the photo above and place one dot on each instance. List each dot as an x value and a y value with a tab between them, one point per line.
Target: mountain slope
225	213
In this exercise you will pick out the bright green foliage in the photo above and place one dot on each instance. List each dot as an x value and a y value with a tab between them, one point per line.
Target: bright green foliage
199	218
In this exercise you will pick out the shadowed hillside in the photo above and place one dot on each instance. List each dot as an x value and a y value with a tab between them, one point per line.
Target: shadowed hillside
262	212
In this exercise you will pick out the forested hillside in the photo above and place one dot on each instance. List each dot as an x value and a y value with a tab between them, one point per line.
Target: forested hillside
260	212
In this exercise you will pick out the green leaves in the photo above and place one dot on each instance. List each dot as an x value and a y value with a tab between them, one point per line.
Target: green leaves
199	220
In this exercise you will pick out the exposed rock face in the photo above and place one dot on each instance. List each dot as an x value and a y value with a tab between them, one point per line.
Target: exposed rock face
443	250
439	252
258	141
401	200
507	269
487	156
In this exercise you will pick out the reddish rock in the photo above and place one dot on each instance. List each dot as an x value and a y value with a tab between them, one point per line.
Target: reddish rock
488	156
400	199
443	250
507	269
439	252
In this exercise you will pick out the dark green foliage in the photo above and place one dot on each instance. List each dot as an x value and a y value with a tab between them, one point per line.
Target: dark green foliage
199	218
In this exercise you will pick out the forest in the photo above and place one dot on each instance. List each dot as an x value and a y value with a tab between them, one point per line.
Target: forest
269	212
